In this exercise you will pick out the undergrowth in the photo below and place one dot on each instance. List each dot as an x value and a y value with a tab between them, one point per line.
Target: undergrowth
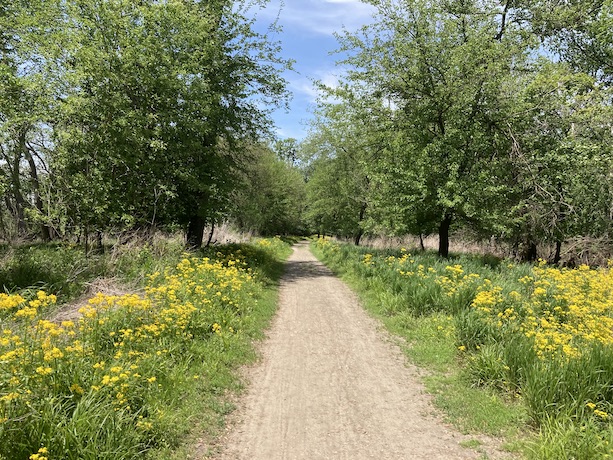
519	351
65	269
135	376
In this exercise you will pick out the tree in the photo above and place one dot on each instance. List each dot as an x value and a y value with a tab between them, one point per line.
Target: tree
342	143
287	150
271	197
148	104
25	105
562	158
157	98
447	70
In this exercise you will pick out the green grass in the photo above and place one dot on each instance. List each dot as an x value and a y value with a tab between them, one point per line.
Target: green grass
174	356
519	352
57	268
564	439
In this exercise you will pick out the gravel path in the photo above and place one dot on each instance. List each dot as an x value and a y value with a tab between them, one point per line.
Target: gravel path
331	385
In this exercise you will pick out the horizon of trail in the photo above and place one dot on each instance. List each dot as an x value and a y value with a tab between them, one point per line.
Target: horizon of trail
331	385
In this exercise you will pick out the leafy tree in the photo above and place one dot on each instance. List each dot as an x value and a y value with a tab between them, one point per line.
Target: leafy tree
562	158
26	104
446	69
474	124
341	145
287	150
271	197
581	32
158	96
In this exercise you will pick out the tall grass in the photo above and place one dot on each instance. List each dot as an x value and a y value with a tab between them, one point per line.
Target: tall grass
135	375
58	268
537	335
66	270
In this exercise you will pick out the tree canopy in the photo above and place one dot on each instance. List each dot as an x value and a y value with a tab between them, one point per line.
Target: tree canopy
148	106
492	116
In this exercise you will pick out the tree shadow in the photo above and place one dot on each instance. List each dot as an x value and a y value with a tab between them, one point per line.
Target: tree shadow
301	269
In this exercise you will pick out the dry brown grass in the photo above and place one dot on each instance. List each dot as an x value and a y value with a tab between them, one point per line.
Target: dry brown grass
576	251
106	286
458	244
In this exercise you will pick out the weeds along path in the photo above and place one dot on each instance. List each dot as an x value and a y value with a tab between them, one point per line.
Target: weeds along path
330	386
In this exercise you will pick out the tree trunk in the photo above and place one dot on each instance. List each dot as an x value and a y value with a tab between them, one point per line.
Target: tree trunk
443	235
421	242
38	202
3	233
86	238
358	237
530	252
100	244
360	232
20	202
195	232
208	241
558	255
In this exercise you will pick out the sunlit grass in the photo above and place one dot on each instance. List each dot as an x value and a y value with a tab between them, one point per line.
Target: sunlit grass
133	374
509	345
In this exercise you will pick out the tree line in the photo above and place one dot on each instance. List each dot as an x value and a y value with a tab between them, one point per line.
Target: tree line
489	116
120	115
492	116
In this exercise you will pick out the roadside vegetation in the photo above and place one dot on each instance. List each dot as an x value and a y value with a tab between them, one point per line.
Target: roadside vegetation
133	375
491	119
513	350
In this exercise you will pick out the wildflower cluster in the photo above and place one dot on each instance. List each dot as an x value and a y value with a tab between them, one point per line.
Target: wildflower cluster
17	308
551	333
563	311
541	333
116	359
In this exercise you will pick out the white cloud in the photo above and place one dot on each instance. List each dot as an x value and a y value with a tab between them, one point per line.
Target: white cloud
330	78
295	132
319	16
304	86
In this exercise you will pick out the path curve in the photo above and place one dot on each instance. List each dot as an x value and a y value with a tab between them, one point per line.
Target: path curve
331	386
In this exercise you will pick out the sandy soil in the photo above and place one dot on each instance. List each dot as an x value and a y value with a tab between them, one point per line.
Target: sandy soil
332	385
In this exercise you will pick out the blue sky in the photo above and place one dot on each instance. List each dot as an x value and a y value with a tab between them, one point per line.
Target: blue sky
308	39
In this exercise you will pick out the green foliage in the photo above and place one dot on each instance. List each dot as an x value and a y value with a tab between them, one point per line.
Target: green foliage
565	389
130	114
136	375
448	80
580	31
149	132
65	269
536	335
271	198
338	150
562	156
469	124
133	262
564	439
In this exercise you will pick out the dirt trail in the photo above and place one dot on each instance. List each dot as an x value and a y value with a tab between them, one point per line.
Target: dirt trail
331	386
